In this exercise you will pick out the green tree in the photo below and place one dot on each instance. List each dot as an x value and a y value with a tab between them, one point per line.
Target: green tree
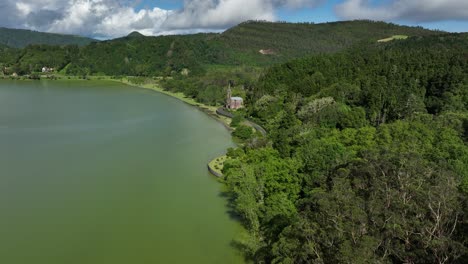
243	132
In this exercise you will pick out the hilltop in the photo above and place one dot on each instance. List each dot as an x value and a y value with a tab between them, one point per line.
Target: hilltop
20	38
135	34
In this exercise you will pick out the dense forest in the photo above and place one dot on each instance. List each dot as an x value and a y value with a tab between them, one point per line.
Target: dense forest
366	155
367	158
20	38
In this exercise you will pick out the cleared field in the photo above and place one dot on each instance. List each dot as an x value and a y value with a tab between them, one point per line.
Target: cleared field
395	37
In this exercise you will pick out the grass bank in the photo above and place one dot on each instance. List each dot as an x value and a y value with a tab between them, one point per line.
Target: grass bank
216	166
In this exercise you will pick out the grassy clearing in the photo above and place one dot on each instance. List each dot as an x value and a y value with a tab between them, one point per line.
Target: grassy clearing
217	164
395	37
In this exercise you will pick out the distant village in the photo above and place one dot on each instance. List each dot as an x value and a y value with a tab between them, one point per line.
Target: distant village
45	72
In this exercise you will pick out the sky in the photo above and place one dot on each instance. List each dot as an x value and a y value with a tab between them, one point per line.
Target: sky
104	19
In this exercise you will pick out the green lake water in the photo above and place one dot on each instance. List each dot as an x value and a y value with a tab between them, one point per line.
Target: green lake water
98	172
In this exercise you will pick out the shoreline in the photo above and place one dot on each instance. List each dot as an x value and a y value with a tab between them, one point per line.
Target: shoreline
209	110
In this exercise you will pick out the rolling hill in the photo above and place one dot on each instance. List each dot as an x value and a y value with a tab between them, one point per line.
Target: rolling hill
20	38
251	43
291	40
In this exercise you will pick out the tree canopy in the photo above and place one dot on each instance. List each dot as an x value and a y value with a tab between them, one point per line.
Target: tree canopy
368	161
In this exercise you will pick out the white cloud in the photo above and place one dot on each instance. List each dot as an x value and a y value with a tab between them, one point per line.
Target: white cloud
218	14
225	13
114	18
126	20
23	8
408	10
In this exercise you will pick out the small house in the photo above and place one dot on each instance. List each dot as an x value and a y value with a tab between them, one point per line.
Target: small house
233	102
47	69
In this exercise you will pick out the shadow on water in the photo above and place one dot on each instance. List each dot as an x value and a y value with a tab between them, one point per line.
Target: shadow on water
243	243
241	247
231	211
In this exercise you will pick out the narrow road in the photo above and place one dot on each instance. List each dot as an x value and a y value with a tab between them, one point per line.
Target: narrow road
223	112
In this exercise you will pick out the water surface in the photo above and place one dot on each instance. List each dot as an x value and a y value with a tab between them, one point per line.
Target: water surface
105	173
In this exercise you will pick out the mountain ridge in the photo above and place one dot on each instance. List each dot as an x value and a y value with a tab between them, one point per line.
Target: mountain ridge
20	38
252	43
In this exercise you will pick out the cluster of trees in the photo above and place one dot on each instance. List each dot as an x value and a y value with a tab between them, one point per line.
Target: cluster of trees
129	56
367	160
391	81
210	88
33	58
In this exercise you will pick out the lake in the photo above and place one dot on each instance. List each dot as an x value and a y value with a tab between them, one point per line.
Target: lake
99	172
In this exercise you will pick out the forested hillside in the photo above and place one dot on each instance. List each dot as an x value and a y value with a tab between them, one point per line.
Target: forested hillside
366	159
241	45
20	38
286	40
146	56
